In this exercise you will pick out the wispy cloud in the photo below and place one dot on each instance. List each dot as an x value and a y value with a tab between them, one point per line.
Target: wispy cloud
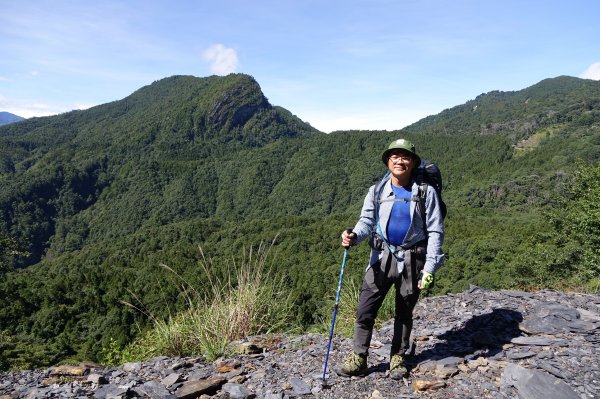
28	109
592	72
73	40
222	60
390	118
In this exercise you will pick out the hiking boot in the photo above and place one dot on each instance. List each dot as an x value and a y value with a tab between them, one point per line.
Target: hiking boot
354	364
397	368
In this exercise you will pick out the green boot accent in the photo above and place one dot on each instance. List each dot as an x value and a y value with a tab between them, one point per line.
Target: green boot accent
354	364
397	368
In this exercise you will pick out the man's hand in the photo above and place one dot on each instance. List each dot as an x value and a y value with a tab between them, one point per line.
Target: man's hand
348	238
427	281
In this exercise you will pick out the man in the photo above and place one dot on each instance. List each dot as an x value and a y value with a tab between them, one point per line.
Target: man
403	220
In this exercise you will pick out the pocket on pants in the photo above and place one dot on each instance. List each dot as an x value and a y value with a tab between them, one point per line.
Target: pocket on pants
374	276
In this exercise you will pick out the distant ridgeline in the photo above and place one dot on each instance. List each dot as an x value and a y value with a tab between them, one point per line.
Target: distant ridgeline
100	198
7	117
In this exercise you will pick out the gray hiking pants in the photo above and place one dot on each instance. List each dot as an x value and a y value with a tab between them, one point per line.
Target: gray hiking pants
376	284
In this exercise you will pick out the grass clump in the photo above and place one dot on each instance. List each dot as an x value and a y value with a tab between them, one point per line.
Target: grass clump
248	301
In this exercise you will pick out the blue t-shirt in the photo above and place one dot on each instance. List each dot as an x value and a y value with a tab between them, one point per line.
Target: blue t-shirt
399	221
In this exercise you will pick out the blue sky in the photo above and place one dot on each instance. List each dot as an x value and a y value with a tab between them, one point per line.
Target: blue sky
339	65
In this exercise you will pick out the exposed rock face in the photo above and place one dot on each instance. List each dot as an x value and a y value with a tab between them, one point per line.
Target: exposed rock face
236	106
477	344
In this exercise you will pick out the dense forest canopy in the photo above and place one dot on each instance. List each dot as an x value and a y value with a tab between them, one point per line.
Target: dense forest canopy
93	202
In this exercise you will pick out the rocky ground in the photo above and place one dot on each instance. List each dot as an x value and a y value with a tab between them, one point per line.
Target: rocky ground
477	344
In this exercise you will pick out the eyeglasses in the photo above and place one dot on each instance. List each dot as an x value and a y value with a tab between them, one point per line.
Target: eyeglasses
400	158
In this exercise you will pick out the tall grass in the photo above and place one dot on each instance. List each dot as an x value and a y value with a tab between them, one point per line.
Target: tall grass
248	301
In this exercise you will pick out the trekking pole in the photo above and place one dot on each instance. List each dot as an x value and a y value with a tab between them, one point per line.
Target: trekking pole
335	307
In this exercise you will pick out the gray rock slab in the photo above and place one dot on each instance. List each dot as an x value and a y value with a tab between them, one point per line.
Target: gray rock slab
154	390
193	389
299	387
517	294
171	379
545	325
110	391
588	315
451	361
516	355
133	366
556	310
534	384
539	341
237	391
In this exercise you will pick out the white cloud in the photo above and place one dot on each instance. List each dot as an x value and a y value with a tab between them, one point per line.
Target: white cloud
222	60
592	72
391	118
29	109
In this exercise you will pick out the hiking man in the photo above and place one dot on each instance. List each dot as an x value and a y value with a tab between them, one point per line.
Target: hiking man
404	222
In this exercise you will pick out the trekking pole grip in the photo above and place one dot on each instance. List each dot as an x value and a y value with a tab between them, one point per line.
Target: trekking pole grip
349	231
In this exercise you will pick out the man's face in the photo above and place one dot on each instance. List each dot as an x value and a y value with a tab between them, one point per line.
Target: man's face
401	163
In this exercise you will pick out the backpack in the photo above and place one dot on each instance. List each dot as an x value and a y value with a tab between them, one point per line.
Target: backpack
428	173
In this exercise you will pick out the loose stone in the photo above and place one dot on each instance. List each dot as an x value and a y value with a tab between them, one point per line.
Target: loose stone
475	344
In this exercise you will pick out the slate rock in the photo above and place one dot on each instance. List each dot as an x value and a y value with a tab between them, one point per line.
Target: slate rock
110	391
132	366
238	391
171	379
299	387
471	339
534	384
154	390
539	341
517	355
193	389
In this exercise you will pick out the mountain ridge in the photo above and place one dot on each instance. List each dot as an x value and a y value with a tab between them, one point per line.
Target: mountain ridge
489	111
7	117
101	197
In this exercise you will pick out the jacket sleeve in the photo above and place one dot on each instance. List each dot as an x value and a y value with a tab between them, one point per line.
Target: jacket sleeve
435	231
366	221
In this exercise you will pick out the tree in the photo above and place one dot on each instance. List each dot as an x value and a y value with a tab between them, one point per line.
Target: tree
8	247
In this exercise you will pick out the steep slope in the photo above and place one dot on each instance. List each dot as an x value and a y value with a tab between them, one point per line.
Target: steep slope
155	141
519	113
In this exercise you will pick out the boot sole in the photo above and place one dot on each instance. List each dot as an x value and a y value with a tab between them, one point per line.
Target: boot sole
339	372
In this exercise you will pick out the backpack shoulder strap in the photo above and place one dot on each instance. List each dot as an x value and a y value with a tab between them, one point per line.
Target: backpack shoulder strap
377	195
422	198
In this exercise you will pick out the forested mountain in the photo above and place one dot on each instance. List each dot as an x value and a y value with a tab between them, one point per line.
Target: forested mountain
7	117
100	198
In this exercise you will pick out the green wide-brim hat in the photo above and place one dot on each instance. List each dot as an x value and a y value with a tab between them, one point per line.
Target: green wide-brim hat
400	144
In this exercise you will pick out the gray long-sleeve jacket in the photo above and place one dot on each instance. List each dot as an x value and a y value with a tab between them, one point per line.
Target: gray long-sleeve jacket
433	231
